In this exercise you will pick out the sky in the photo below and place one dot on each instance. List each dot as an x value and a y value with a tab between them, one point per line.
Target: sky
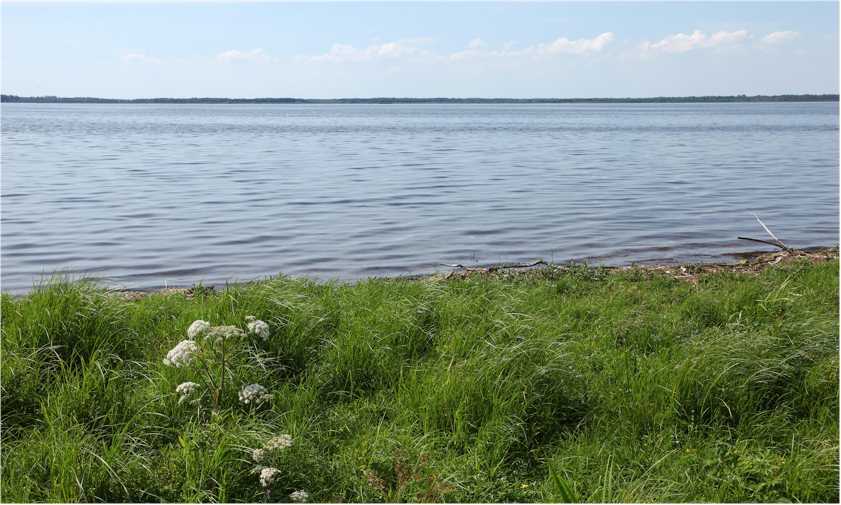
428	49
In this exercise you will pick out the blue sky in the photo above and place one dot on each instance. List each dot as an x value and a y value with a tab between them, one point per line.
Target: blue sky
562	49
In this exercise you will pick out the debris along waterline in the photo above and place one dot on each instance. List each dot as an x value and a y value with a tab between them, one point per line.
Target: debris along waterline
750	263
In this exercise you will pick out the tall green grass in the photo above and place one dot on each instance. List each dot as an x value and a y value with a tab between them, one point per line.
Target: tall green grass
549	386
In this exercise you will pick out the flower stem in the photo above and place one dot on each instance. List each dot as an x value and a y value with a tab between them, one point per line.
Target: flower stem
222	371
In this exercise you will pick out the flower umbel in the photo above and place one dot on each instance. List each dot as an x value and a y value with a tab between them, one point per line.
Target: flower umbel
257	327
258	455
279	442
254	393
299	496
267	476
185	389
182	354
197	328
218	334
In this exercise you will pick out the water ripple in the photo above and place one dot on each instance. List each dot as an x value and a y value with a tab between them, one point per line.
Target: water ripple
148	195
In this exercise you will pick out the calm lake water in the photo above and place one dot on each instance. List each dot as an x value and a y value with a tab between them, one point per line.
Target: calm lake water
150	195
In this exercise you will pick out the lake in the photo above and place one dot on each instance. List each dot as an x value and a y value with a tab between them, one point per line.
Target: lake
144	196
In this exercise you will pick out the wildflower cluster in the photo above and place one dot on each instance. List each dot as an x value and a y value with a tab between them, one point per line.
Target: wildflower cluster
182	354
217	335
208	345
254	394
258	455
186	389
197	328
268	474
257	327
279	442
299	496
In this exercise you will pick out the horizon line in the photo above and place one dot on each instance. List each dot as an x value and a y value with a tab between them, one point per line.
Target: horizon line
12	98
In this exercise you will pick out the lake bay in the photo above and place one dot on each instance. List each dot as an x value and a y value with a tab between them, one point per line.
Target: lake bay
144	196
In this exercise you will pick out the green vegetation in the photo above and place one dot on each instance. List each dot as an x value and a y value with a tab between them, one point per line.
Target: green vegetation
577	385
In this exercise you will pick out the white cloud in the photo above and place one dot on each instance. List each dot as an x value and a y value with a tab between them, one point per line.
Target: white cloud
343	53
683	42
780	37
476	43
234	55
412	49
474	49
562	45
578	46
139	58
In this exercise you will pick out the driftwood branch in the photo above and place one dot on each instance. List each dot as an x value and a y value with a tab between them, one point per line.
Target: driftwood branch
782	244
493	268
517	265
764	242
776	242
500	266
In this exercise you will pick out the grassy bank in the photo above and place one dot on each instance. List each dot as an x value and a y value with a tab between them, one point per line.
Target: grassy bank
581	385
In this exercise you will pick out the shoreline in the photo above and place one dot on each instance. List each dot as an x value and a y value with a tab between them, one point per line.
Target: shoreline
750	262
746	263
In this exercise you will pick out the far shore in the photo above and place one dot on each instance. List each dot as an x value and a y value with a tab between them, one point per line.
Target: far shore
428	100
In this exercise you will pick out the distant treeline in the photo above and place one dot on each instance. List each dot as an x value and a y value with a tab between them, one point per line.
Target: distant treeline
385	100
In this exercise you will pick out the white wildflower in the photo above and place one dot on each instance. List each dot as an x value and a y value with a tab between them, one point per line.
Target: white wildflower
279	442
254	393
181	354
218	334
300	496
197	328
185	389
257	455
267	476
257	327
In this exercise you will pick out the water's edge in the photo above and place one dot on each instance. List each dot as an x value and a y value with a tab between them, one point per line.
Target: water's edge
742	262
